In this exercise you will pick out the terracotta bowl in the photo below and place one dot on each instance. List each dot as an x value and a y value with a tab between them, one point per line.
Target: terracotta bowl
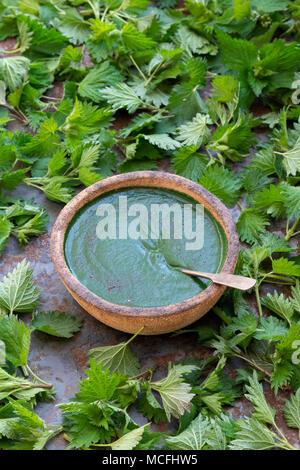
156	320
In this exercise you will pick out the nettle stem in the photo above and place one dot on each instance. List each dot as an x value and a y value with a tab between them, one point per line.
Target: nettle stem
290	232
25	371
144	372
253	364
256	290
135	335
137	67
284	442
38	379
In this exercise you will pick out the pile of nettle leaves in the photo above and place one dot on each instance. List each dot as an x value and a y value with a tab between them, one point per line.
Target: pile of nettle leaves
183	82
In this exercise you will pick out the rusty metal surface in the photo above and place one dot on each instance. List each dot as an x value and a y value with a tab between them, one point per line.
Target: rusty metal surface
62	362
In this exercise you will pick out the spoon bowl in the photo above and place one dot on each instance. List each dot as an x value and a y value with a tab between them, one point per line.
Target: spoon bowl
225	279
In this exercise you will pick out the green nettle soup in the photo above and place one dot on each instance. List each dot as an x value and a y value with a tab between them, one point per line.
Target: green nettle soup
130	255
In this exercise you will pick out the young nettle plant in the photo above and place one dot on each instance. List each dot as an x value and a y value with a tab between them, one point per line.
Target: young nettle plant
282	271
22	219
20	386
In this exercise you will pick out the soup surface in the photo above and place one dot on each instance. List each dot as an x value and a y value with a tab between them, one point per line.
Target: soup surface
144	271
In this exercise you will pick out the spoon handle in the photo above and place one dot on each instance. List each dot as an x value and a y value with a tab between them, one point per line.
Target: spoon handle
229	280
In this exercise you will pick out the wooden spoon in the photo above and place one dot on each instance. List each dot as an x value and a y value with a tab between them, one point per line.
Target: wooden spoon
229	280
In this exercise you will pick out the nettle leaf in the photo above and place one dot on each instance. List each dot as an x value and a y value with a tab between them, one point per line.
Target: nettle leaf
269	6
46	42
194	132
185	102
134	40
149	406
13	71
167	3
2	353
285	347
57	163
291	200
224	88
264	160
163	141
222	183
99	77
213	402
55	323
263	412
122	96
55	191
255	84
189	164
105	37
83	430
31	228
43	438
17	290
291	159
234	139
73	26
251	225
246	323
88	177
117	358
150	441
271	200
25	36
196	68
19	388
7	157
23	428
175	394
193	438
279	304
270	329
237	54
295	299
220	430
192	42
212	380
16	337
130	440
5	230
285	266
254	181
99	384
45	142
292	410
279	56
87	157
253	435
84	120
282	374
9	180
136	165
241	9
142	121
274	243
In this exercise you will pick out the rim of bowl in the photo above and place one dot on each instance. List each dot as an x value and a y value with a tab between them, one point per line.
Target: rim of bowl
158	179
